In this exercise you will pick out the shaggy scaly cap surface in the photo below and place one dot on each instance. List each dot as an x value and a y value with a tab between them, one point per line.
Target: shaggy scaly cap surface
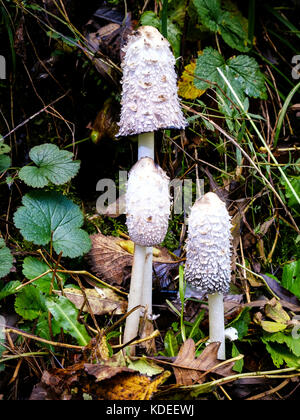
208	260
147	203
149	97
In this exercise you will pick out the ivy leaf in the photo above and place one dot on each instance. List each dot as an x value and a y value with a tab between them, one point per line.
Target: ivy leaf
30	303
33	267
47	216
230	26
291	278
53	165
6	259
65	314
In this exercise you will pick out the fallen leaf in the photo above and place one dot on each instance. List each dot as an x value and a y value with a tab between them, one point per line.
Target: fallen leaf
102	373
102	301
189	370
111	260
129	386
186	86
274	310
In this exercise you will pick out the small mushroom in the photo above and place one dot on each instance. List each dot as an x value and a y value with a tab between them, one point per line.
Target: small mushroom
148	210
208	259
149	102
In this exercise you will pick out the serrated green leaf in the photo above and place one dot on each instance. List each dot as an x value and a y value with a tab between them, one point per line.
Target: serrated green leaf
66	314
5	163
281	355
49	215
230	26
9	289
281	338
30	303
6	259
53	165
33	267
291	277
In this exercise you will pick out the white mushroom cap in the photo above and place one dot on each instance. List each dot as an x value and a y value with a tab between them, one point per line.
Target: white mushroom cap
149	97
147	203
208	260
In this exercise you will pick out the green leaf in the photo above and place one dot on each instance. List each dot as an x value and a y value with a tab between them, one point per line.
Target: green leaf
242	72
295	181
171	345
6	259
65	314
9	289
273	327
33	267
239	364
42	327
284	348
30	303
47	216
241	323
53	165
4	148
281	355
145	367
230	26
5	163
291	277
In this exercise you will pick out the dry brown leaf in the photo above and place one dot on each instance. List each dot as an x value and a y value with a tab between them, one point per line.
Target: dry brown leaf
102	373
102	301
111	262
193	370
108	260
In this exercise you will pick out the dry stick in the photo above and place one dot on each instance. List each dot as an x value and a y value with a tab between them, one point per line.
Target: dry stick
236	144
41	340
270	392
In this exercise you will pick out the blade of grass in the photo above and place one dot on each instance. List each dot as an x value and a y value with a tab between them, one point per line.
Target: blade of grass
283	20
283	112
260	136
164	19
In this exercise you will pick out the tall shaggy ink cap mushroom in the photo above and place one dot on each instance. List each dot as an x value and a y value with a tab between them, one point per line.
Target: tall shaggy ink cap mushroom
149	97
147	203
208	261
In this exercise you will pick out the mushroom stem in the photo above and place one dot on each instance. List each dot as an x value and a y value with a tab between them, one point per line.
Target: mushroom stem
216	322
135	294
146	145
147	288
146	149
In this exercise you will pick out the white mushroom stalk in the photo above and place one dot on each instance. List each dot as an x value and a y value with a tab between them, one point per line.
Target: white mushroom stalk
148	209
208	260
149	102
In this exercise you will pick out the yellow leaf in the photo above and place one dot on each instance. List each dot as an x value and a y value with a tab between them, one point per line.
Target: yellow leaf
186	87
